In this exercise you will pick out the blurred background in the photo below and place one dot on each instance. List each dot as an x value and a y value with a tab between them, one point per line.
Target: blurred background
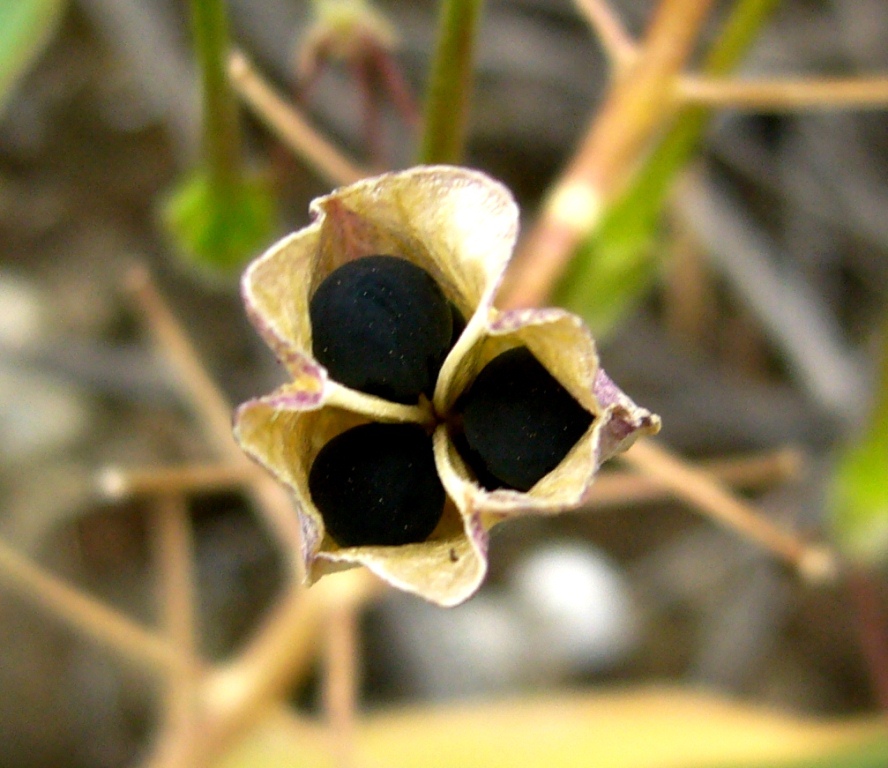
758	337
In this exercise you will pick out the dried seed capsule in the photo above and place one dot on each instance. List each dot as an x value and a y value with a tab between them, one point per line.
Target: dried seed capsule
459	325
376	484
382	325
518	421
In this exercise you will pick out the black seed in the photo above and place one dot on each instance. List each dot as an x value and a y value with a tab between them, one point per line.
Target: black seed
382	325
519	422
377	485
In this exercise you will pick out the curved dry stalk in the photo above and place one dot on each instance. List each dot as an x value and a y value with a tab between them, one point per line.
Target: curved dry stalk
227	699
290	126
706	494
87	615
785	95
621	488
618	45
204	396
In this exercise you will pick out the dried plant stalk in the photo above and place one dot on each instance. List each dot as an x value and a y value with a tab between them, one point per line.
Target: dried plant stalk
634	110
213	411
88	616
786	95
290	126
703	492
616	42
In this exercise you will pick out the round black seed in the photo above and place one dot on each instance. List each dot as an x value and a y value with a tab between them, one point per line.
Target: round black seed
382	325
377	485
518	421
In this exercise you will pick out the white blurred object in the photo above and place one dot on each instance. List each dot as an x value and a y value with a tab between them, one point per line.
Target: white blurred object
576	607
38	414
566	609
473	649
22	311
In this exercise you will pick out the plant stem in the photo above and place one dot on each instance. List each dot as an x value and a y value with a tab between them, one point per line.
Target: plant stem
741	28
635	110
787	95
221	130
290	126
340	681
629	225
213	412
619	47
86	615
870	618
450	83
698	488
176	597
620	489
116	483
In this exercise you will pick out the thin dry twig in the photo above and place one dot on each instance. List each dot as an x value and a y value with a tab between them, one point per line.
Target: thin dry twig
289	125
615	40
785	95
622	488
174	556
88	616
211	407
341	680
706	494
237	695
173	547
120	483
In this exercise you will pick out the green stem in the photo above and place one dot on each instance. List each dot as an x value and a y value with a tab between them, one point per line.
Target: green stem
739	32
450	83
858	500
221	129
614	266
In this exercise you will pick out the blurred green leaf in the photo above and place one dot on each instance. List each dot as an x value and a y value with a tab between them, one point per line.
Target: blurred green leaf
630	728
617	262
220	227
859	493
871	754
26	26
860	502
